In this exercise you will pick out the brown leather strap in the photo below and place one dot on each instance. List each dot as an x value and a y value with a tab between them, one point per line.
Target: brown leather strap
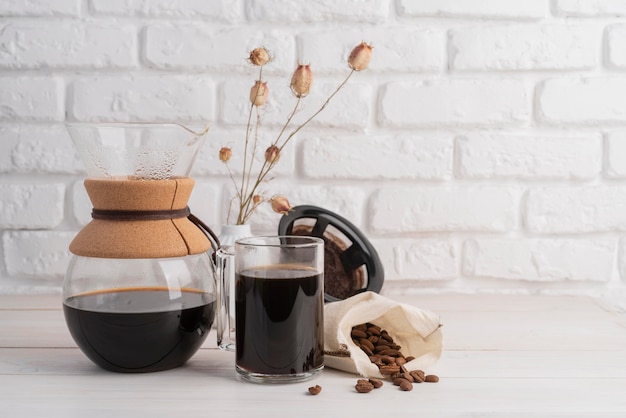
139	215
208	232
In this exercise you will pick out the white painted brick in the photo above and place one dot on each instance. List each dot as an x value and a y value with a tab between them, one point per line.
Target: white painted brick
38	149
81	205
616	155
205	203
31	98
444	208
455	102
287	11
590	8
527	156
40	7
401	49
616	46
145	98
540	260
41	254
421	259
570	209
507	9
217	10
31	206
201	47
526	47
621	263
424	156
588	100
349	109
67	45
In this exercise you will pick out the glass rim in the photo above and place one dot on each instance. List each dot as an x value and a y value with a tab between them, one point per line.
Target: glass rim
276	241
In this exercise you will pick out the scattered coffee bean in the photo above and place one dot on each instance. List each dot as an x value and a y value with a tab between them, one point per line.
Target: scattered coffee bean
417	377
376	382
315	390
405	385
389	369
364	386
398	381
407	376
431	378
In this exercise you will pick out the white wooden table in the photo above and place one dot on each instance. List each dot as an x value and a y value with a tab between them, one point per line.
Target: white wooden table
504	356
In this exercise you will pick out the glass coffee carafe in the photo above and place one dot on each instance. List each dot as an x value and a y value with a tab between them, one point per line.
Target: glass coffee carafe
140	291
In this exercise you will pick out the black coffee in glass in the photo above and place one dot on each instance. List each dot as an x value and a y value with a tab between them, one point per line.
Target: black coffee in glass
279	321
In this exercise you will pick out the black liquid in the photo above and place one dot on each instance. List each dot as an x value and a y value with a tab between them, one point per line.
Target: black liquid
280	320
140	329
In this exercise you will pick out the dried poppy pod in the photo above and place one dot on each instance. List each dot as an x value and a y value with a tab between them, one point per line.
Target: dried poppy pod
225	154
301	80
360	56
259	93
272	154
259	56
280	204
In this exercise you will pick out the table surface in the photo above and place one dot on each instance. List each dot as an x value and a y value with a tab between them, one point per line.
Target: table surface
504	356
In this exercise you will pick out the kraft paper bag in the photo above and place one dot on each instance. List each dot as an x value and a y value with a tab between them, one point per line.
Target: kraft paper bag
417	331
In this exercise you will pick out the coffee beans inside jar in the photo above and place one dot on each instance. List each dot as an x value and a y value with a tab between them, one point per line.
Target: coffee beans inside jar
387	356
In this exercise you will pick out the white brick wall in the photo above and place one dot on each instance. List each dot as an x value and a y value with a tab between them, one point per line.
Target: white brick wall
484	150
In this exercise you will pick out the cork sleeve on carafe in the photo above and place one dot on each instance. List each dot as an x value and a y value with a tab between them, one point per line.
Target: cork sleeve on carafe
139	238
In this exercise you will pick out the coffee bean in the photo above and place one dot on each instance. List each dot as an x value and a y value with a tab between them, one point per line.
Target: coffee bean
376	382
389	352
387	360
315	390
357	333
381	347
363	386
407	376
366	343
418	376
406	386
398	381
389	369
431	378
374	330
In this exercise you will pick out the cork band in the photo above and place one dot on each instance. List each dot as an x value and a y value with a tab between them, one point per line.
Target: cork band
156	215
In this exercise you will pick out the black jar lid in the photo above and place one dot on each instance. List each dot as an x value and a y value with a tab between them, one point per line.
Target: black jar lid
351	264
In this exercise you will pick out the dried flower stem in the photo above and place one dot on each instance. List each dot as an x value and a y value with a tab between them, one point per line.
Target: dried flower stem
247	192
